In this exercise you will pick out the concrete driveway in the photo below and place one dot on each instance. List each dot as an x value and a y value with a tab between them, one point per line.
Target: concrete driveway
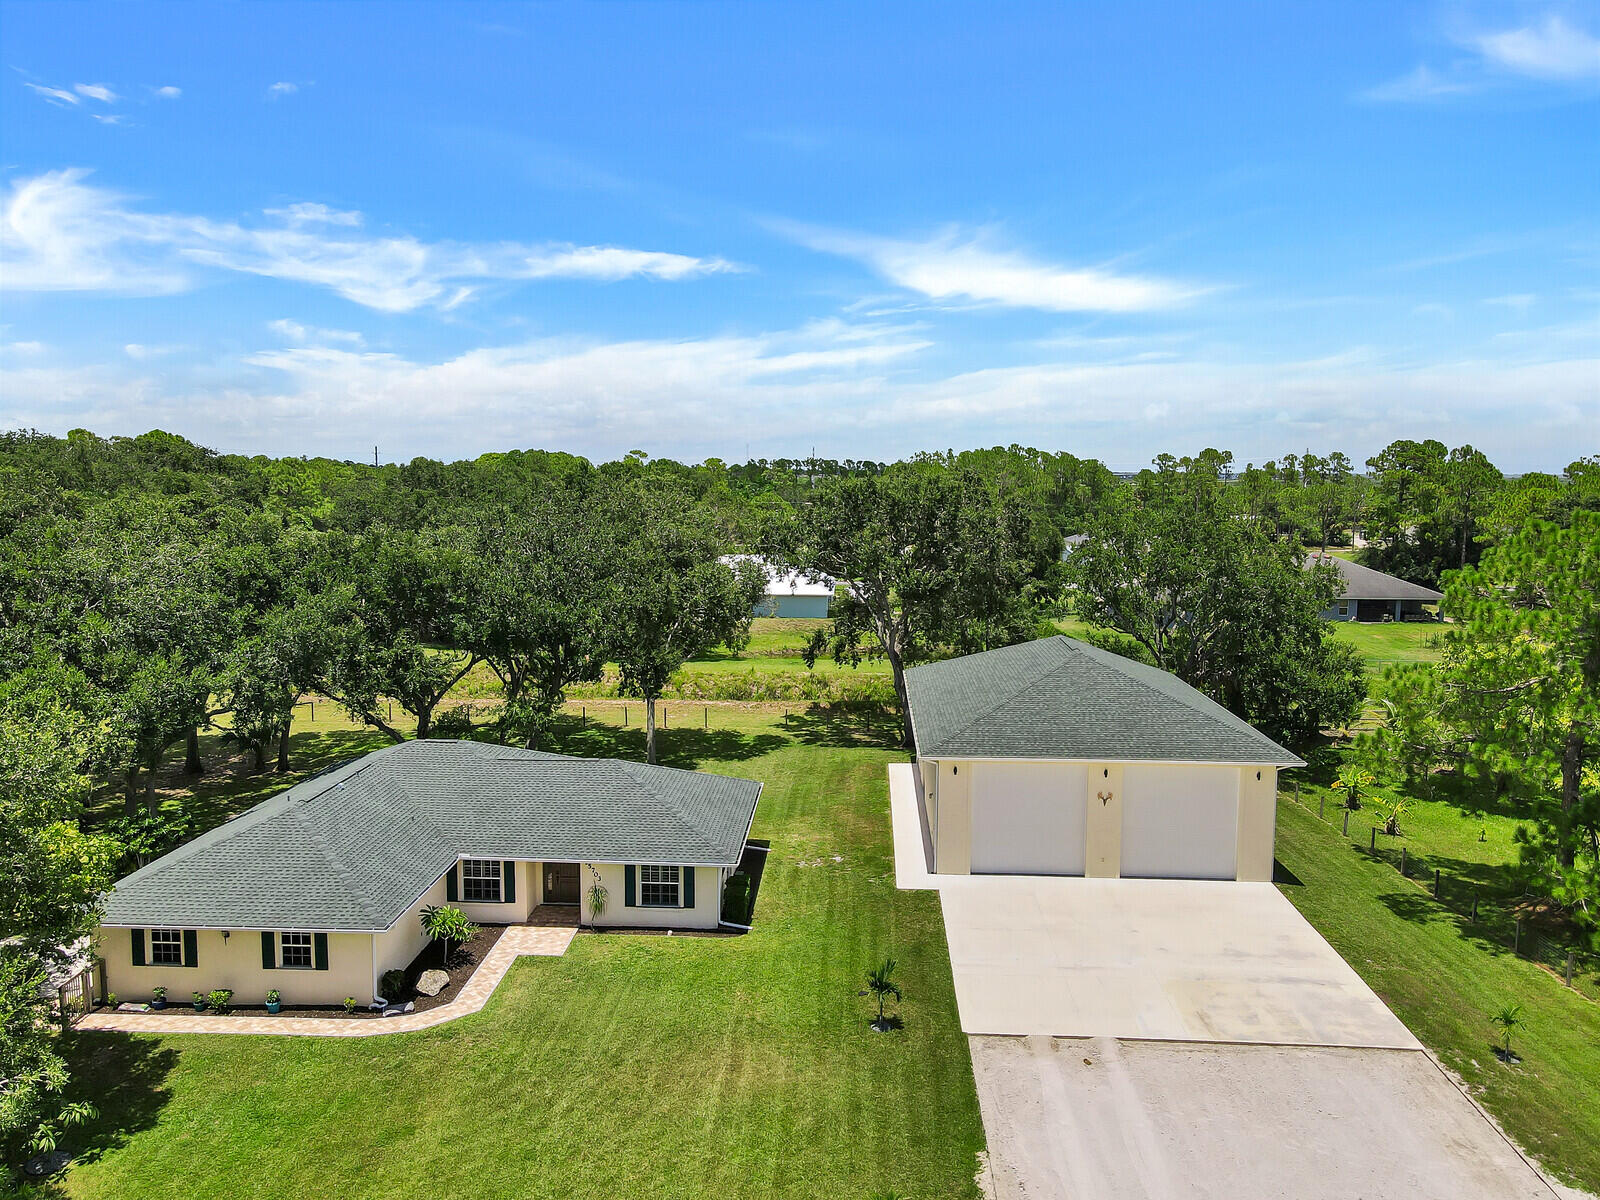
1164	1038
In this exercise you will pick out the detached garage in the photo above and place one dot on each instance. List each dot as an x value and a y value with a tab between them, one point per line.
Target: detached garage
1058	758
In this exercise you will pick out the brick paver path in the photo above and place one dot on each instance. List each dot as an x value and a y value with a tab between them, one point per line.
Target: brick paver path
515	941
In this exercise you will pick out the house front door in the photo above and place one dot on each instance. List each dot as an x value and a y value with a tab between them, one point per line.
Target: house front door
560	883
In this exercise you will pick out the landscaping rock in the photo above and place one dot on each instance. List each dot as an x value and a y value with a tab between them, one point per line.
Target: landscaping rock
431	983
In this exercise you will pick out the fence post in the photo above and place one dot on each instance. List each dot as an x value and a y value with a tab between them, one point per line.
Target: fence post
1516	938
313	710
583	717
1347	822
1569	968
1436	883
1320	800
1474	915
624	716
1297	791
1402	862
1374	844
705	718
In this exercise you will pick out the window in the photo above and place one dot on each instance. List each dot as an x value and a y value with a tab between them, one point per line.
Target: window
658	887
294	949
480	880
1344	608
166	947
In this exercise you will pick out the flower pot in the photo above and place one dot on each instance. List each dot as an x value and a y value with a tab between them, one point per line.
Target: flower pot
274	1006
199	1006
158	1005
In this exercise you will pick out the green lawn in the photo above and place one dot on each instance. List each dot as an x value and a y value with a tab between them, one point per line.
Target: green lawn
634	1066
1443	980
1382	645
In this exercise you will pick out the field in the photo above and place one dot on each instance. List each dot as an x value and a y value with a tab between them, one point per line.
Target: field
635	1065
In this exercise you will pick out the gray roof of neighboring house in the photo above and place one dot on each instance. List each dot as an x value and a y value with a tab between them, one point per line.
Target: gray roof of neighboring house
1363	583
1062	698
353	848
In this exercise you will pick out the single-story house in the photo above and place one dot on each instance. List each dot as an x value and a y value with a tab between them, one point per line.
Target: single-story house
1370	595
1055	757
319	890
788	593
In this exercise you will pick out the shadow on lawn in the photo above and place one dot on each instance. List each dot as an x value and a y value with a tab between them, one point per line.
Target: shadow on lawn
125	1078
685	747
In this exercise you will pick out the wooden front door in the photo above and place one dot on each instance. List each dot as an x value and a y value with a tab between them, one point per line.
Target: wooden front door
560	883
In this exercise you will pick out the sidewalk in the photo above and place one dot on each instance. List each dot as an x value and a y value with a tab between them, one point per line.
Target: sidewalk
514	942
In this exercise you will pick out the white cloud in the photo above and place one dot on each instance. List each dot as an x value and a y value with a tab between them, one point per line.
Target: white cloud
1518	300
1550	49
1424	83
314	214
282	88
110	118
29	348
293	331
95	91
59	233
54	95
169	92
955	266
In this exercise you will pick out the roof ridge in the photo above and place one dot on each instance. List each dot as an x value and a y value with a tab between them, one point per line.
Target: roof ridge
368	906
643	782
1010	695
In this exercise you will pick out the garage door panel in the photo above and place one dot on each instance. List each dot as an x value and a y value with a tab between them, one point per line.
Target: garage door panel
1180	822
1028	818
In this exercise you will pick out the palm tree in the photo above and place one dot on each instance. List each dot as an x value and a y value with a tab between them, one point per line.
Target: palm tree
1508	1018
442	922
882	986
1352	779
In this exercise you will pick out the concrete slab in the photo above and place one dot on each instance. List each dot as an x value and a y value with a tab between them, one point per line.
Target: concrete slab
913	851
1167	959
1106	1120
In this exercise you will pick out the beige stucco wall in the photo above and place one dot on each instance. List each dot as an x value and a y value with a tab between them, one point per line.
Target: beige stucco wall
235	962
1103	839
528	880
705	914
1258	823
952	847
396	946
948	798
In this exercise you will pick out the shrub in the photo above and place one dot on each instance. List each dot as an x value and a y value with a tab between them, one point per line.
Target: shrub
220	1000
454	723
392	984
349	1005
736	899
111	999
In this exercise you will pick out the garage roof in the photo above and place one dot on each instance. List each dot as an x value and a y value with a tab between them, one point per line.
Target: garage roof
353	848
1363	583
1062	698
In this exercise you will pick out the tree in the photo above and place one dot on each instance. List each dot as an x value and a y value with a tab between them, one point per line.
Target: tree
1509	1019
538	609
1517	690
1213	597
930	558
670	598
1470	482
444	922
1353	780
882	986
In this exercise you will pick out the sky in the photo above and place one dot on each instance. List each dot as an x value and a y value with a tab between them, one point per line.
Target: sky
770	230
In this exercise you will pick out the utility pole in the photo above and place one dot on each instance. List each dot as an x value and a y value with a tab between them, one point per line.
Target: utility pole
374	456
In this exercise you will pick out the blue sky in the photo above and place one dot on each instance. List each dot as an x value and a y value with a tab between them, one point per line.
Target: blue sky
757	230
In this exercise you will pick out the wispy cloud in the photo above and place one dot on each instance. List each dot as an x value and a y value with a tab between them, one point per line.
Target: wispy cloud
282	88
95	91
1517	300
168	93
54	95
1549	49
295	332
60	233
971	267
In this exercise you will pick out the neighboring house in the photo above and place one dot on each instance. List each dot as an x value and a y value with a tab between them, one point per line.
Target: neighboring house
318	891
1070	543
1055	757
1370	595
788	594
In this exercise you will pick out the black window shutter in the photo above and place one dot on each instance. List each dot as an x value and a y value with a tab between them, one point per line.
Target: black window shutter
627	886
688	886
136	936
269	951
191	948
319	950
508	877
451	892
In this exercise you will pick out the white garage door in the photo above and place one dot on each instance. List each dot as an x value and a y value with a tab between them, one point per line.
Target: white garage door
1028	818
1180	822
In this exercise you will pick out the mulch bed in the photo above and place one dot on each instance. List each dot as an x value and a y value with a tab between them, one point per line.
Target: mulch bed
464	962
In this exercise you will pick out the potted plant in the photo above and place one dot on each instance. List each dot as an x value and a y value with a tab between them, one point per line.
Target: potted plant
274	1001
158	998
220	1000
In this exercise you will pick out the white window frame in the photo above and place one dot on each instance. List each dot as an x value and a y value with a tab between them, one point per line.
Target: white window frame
490	878
665	881
1344	608
164	938
309	945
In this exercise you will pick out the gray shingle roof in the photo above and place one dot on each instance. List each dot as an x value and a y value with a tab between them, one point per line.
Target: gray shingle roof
1062	698
1363	583
353	848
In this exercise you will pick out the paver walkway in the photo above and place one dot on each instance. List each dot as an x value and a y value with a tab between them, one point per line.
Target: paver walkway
514	942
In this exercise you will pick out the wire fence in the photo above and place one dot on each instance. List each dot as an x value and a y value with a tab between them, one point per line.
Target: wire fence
1488	913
